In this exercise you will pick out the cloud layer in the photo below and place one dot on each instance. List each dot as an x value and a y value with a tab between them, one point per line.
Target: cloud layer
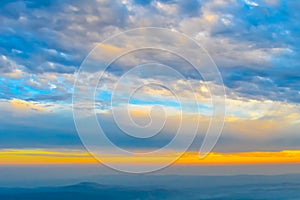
255	44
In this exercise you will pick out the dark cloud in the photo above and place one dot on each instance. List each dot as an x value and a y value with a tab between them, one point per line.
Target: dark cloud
55	31
39	130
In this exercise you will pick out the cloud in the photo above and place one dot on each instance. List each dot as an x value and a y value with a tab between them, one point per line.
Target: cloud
254	43
24	105
55	37
50	124
40	33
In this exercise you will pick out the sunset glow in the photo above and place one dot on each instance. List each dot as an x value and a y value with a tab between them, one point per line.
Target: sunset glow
38	157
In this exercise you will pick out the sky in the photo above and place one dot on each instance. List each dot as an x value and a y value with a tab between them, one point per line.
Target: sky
46	45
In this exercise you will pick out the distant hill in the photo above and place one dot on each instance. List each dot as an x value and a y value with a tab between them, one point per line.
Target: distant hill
166	187
85	191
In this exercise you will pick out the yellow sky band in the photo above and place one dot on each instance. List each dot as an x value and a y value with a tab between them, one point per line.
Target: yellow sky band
36	157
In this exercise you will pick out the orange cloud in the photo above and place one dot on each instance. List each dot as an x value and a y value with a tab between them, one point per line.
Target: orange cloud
23	105
110	48
210	17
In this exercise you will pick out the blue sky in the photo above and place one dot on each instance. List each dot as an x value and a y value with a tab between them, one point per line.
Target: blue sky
255	45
